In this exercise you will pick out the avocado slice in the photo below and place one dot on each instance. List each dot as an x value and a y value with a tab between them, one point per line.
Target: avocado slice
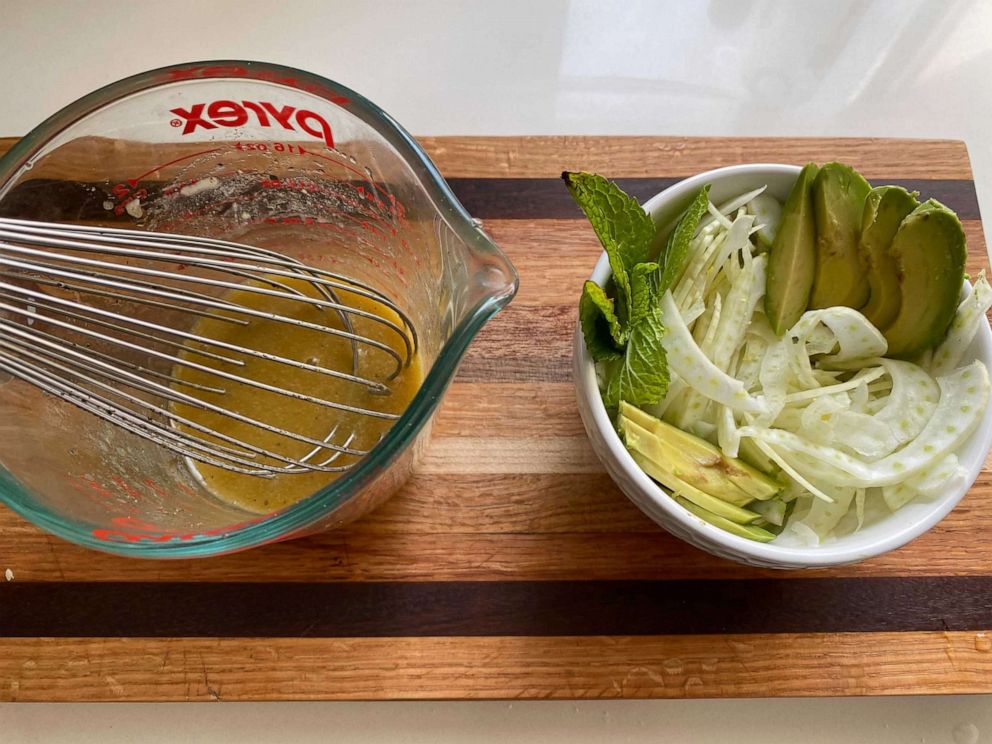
694	460
885	208
678	487
742	530
929	249
839	194
674	474
792	259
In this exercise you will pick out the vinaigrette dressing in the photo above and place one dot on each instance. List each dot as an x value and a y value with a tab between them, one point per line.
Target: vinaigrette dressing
309	345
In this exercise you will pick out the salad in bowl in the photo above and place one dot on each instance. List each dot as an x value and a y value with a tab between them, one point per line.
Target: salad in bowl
786	366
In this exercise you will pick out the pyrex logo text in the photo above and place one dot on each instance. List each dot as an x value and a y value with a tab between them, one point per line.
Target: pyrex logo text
233	114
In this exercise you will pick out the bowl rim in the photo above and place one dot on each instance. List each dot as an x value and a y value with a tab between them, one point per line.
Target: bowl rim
818	556
302	516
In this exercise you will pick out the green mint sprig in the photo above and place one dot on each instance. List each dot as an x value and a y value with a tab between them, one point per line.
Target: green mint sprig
622	324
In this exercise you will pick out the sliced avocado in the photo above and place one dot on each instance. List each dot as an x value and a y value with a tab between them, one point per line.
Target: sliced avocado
885	209
721	508
742	530
673	472
929	249
839	194
792	259
694	460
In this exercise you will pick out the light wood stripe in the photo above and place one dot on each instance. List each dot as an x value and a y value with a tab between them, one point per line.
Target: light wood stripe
507	409
183	669
547	157
533	504
510	455
527	534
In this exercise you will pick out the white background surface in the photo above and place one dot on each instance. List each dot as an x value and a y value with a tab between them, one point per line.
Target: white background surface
705	67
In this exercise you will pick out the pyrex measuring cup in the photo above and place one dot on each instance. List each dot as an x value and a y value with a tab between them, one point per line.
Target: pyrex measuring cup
265	155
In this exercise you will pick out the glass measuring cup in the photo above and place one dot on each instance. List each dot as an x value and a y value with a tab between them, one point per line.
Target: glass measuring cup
269	156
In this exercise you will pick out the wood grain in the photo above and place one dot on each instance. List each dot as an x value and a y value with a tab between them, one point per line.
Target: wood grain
531	534
511	499
544	198
507	409
616	157
183	669
495	608
548	156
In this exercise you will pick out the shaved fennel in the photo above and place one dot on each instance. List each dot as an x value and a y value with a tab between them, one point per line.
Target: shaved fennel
854	434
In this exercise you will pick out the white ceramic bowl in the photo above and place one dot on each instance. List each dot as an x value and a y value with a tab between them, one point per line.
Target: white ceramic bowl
889	533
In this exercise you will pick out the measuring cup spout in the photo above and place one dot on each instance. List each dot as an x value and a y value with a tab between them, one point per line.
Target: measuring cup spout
493	280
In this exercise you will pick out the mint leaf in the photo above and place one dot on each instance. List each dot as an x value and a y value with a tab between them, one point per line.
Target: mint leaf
676	252
642	291
625	332
622	226
642	379
600	326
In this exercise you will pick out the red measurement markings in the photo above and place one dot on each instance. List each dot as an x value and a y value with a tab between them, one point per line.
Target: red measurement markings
288	147
134	530
181	219
124	195
85	484
361	175
360	190
365	225
310	186
95	492
126	192
127	488
310	221
180	185
191	213
294	183
156	488
134	181
395	207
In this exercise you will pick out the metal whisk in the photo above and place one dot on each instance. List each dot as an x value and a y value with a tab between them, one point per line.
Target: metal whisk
66	288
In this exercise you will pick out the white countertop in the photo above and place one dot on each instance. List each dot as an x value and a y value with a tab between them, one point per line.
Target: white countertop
910	68
936	720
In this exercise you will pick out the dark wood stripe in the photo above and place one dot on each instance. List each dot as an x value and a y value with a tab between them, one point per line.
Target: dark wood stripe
484	198
546	198
525	608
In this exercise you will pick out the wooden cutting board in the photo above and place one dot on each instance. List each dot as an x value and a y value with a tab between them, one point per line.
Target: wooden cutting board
511	566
